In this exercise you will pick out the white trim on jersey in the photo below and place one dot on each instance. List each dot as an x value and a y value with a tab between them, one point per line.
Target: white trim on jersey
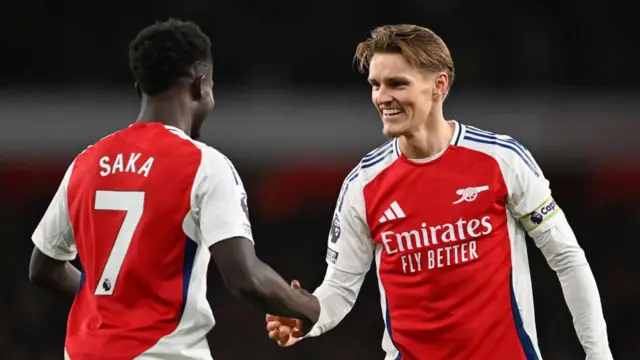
521	286
391	352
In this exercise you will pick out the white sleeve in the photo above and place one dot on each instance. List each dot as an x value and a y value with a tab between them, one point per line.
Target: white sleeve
565	256
528	188
54	235
349	254
350	247
337	294
530	200
222	207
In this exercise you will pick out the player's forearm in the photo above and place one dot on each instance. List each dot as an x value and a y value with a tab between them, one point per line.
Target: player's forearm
337	295
583	300
265	289
566	257
249	278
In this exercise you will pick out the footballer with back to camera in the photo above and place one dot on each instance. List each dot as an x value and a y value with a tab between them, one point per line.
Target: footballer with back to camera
443	208
145	209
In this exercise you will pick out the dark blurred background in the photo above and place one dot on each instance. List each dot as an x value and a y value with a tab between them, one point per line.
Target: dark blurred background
561	77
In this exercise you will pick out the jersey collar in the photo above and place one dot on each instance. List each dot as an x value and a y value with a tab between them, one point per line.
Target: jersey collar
455	139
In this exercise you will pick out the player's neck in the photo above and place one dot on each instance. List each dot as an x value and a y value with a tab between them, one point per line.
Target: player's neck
427	140
166	112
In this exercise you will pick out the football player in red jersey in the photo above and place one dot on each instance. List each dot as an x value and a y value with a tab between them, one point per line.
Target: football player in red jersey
145	209
444	208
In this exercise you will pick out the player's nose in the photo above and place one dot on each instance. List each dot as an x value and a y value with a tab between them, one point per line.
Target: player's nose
383	99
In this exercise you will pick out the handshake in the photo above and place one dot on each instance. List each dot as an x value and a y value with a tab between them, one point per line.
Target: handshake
288	331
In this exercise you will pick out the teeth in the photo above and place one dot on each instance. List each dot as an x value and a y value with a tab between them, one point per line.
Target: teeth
391	111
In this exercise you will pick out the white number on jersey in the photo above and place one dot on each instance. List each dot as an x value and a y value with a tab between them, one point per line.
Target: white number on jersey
132	202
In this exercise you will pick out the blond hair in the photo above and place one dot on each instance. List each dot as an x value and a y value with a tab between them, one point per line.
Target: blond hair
419	46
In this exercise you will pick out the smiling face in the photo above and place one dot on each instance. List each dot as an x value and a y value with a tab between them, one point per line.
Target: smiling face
410	72
403	94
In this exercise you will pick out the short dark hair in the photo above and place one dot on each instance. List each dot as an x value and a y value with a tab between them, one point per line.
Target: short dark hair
166	51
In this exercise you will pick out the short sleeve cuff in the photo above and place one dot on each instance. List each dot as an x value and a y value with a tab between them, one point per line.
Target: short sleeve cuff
52	251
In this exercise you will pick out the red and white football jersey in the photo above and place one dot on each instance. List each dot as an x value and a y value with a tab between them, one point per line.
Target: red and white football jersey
448	237
141	207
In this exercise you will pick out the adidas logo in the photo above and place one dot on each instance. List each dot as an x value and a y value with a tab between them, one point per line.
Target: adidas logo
393	212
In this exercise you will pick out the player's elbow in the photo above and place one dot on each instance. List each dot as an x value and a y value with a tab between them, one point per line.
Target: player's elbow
240	277
242	283
567	259
238	265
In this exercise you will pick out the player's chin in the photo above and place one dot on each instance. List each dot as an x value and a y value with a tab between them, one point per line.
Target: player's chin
393	130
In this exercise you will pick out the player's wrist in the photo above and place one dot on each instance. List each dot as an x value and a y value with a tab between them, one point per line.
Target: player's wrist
312	313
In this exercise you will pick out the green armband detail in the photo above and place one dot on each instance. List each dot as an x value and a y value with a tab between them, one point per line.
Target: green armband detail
540	215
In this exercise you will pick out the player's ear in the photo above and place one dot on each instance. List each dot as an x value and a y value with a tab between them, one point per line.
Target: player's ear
197	87
442	82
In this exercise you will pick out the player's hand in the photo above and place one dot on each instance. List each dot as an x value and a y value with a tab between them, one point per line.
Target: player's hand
283	330
287	331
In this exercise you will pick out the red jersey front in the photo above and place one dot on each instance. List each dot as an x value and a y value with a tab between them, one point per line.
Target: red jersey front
141	207
449	246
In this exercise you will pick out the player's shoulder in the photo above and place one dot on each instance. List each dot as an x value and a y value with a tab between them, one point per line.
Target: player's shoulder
215	162
212	157
505	149
152	135
188	143
374	162
166	145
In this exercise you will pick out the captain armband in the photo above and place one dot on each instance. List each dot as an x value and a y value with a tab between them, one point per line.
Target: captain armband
547	210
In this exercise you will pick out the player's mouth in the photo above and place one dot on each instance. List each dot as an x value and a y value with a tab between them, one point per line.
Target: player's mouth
392	114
